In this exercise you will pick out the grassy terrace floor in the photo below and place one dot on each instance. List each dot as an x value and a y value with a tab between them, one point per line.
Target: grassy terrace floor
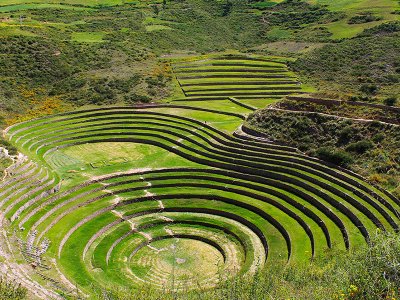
127	196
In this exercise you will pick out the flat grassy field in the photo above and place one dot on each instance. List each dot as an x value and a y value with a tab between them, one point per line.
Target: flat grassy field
82	162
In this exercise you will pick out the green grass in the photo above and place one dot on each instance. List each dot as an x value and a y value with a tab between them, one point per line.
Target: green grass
345	5
151	28
7	31
171	165
68	2
222	105
19	7
87	37
341	29
218	77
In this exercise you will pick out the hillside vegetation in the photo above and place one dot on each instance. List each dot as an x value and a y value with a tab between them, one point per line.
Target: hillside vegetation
200	149
367	65
11	290
369	148
82	53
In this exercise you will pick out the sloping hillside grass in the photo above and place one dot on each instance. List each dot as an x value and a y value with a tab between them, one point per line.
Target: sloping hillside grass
367	65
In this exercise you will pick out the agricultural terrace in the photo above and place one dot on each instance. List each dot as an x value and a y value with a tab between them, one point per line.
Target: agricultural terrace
180	195
249	81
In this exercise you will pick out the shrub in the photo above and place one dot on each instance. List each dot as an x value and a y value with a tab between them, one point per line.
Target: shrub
135	98
385	28
390	101
363	18
360	147
11	149
369	89
377	138
336	156
10	290
345	134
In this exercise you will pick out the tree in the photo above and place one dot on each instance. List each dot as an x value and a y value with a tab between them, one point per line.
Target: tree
390	101
369	89
156	10
227	8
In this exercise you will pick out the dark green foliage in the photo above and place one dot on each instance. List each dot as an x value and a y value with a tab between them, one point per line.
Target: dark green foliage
370	89
296	13
367	65
360	146
379	137
390	101
226	8
333	155
135	98
33	58
155	8
383	29
345	134
363	18
11	149
10	290
366	147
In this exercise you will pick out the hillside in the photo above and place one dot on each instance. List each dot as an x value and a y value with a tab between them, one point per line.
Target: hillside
200	149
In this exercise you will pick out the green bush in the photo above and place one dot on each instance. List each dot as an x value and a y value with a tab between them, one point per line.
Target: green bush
370	89
11	149
364	18
135	98
10	290
336	156
377	138
390	101
360	147
345	134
